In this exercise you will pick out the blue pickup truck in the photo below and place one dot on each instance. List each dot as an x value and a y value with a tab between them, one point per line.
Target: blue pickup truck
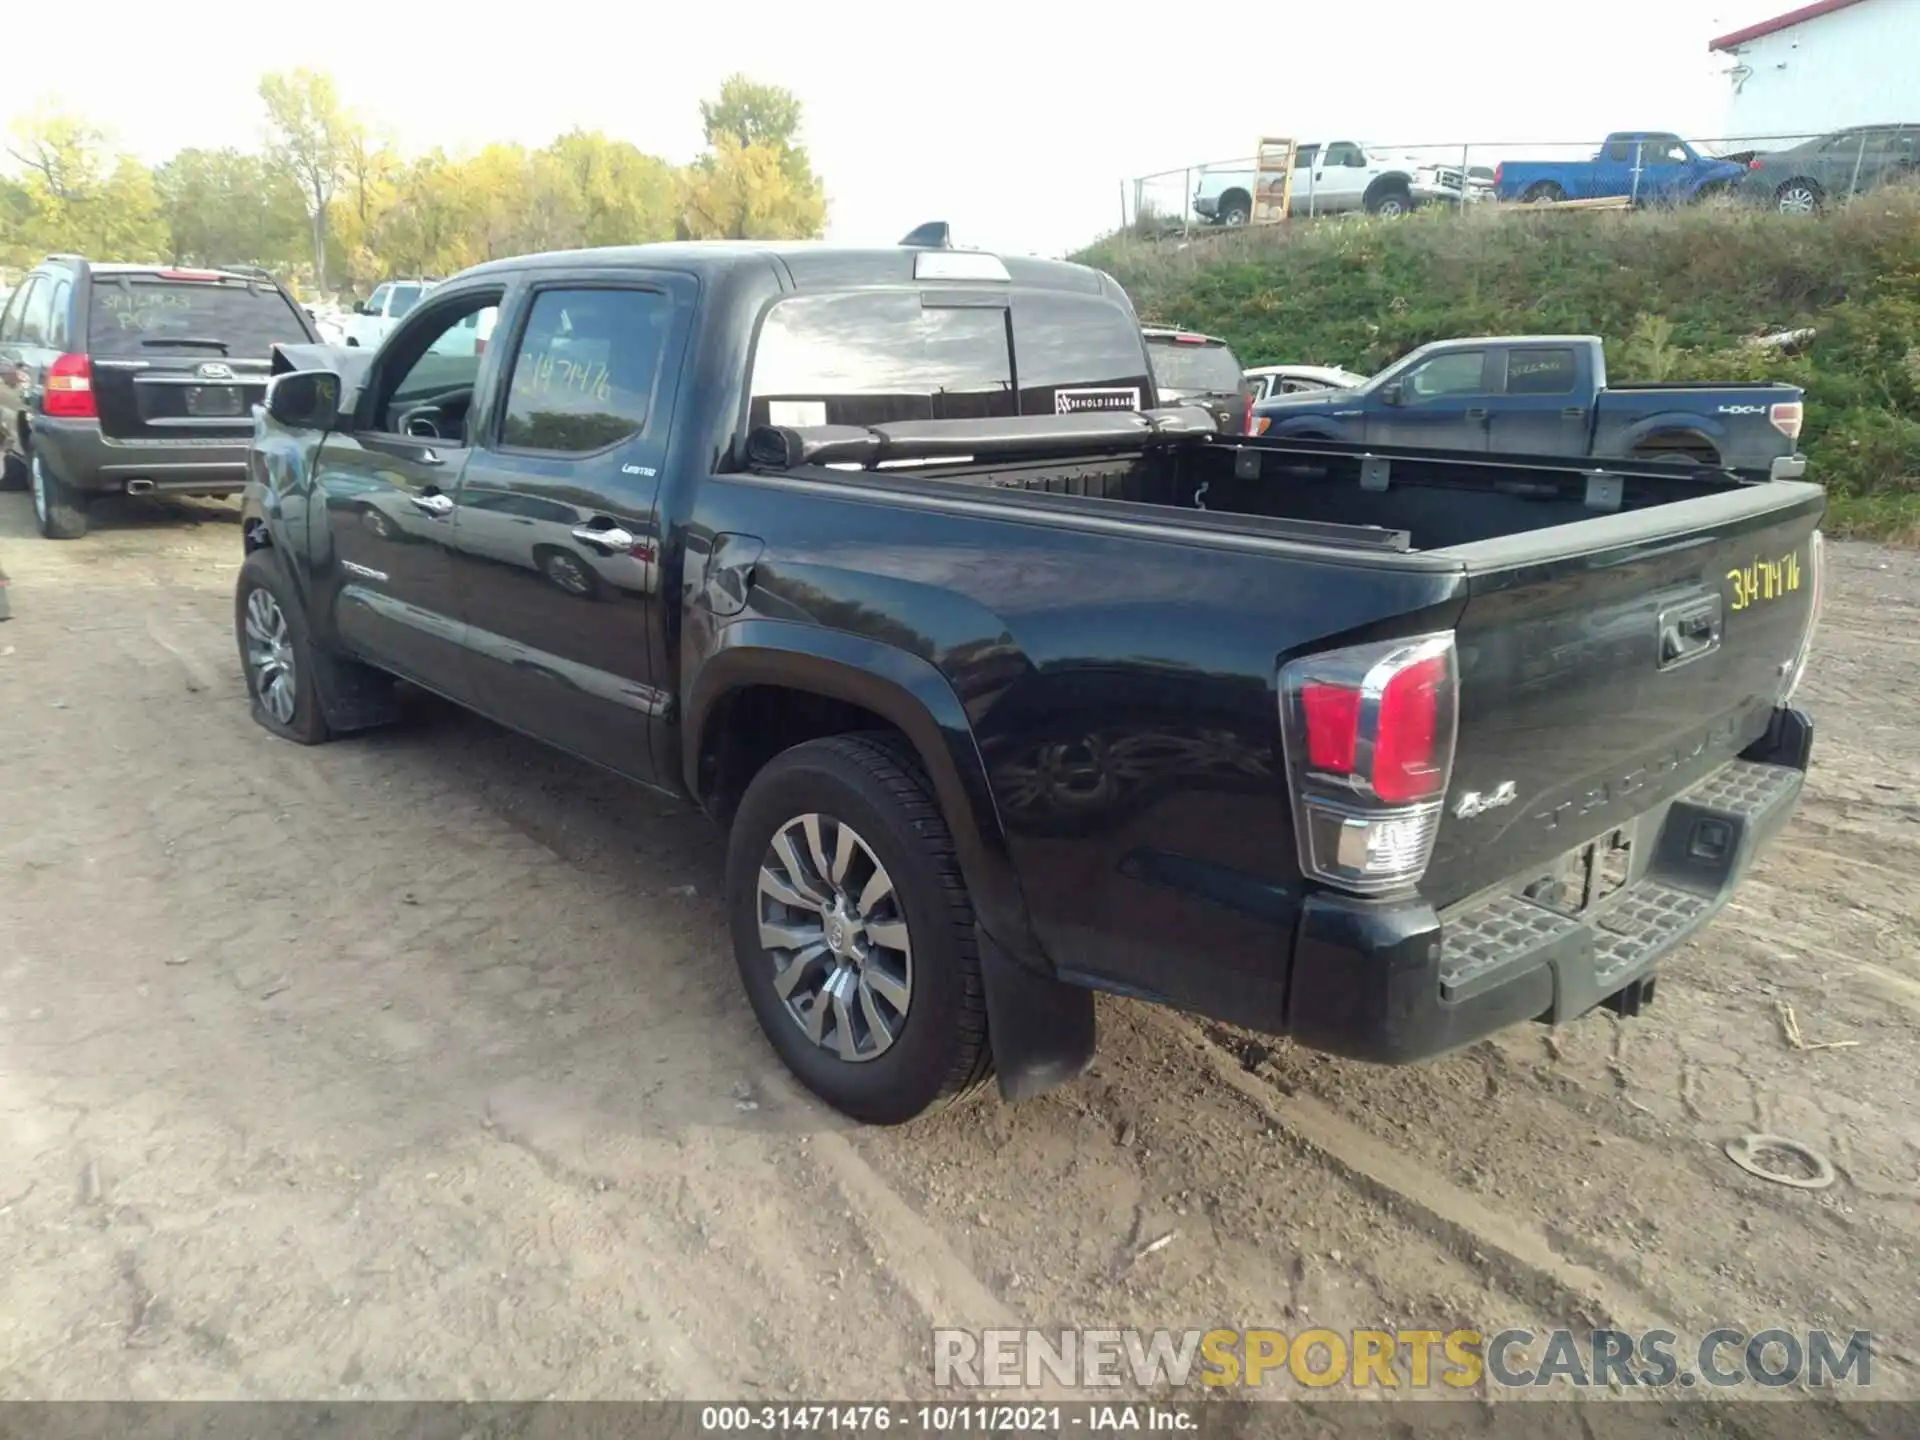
1547	395
1648	166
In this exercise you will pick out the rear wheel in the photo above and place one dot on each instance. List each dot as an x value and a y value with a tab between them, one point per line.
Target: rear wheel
59	510
1545	193
853	930
1235	208
1800	197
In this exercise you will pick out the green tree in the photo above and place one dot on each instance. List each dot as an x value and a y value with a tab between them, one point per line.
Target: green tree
226	207
313	141
743	192
755	113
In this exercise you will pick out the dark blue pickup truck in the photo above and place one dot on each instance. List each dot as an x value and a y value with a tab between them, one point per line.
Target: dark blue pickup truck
1547	395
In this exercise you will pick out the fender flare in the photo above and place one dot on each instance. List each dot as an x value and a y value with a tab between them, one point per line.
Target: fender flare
1042	1028
1685	423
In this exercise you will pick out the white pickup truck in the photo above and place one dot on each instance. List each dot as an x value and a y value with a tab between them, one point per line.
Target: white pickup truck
373	317
1332	178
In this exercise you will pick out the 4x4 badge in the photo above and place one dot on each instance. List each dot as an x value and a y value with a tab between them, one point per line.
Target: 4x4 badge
1474	803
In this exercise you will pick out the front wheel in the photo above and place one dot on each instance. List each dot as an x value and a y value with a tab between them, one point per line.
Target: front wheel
853	930
276	652
1390	203
59	510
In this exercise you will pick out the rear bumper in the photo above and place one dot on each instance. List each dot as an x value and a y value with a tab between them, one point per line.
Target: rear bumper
1396	983
87	460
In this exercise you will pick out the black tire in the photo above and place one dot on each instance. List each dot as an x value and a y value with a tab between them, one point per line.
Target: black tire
13	472
1235	209
59	510
940	1050
1390	200
1543	193
307	723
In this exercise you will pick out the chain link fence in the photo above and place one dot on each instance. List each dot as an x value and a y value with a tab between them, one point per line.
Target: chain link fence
1794	173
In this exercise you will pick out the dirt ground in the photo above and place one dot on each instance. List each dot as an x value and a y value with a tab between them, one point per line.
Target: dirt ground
416	1066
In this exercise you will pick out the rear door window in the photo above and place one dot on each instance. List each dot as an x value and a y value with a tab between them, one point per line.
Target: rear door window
34	321
872	358
1540	372
145	315
403	299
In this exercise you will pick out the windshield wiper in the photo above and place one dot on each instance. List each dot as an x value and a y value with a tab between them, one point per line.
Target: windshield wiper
219	345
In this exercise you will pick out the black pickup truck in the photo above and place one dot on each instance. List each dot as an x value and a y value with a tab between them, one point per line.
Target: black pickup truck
1548	395
1011	686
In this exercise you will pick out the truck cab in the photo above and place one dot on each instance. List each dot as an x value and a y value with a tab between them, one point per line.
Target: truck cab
375	316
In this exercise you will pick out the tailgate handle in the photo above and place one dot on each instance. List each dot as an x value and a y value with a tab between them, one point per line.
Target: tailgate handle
1690	631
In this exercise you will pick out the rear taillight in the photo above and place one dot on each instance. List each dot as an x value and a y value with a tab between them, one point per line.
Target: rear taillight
479	348
1816	589
1499	172
1369	735
1786	417
1755	165
69	391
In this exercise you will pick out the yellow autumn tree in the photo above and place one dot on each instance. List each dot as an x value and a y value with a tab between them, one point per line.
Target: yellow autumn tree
755	181
743	192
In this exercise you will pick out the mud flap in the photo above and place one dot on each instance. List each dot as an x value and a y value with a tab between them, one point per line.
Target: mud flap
1042	1029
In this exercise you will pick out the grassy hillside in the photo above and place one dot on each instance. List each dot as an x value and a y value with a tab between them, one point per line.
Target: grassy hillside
1677	296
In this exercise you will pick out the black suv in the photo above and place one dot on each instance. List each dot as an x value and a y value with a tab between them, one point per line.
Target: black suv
1191	369
134	379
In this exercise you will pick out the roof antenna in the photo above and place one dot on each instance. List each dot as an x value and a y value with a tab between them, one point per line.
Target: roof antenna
934	235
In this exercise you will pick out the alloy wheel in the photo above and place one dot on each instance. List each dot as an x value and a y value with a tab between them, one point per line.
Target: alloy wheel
270	656
834	932
1798	200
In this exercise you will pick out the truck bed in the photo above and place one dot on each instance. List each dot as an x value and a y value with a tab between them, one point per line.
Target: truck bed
1316	492
1626	628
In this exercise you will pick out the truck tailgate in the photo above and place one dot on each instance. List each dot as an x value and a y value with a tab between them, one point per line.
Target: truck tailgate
1609	665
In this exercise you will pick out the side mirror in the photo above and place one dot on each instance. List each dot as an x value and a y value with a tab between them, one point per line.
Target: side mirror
305	399
1393	394
360	308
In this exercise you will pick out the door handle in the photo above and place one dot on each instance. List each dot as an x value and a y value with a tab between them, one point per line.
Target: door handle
612	538
1575	412
1476	413
434	504
1688	632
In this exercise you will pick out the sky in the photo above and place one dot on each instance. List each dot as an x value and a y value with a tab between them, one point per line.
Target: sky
1014	122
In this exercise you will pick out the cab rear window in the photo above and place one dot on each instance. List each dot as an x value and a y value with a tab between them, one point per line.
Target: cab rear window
867	358
140	315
